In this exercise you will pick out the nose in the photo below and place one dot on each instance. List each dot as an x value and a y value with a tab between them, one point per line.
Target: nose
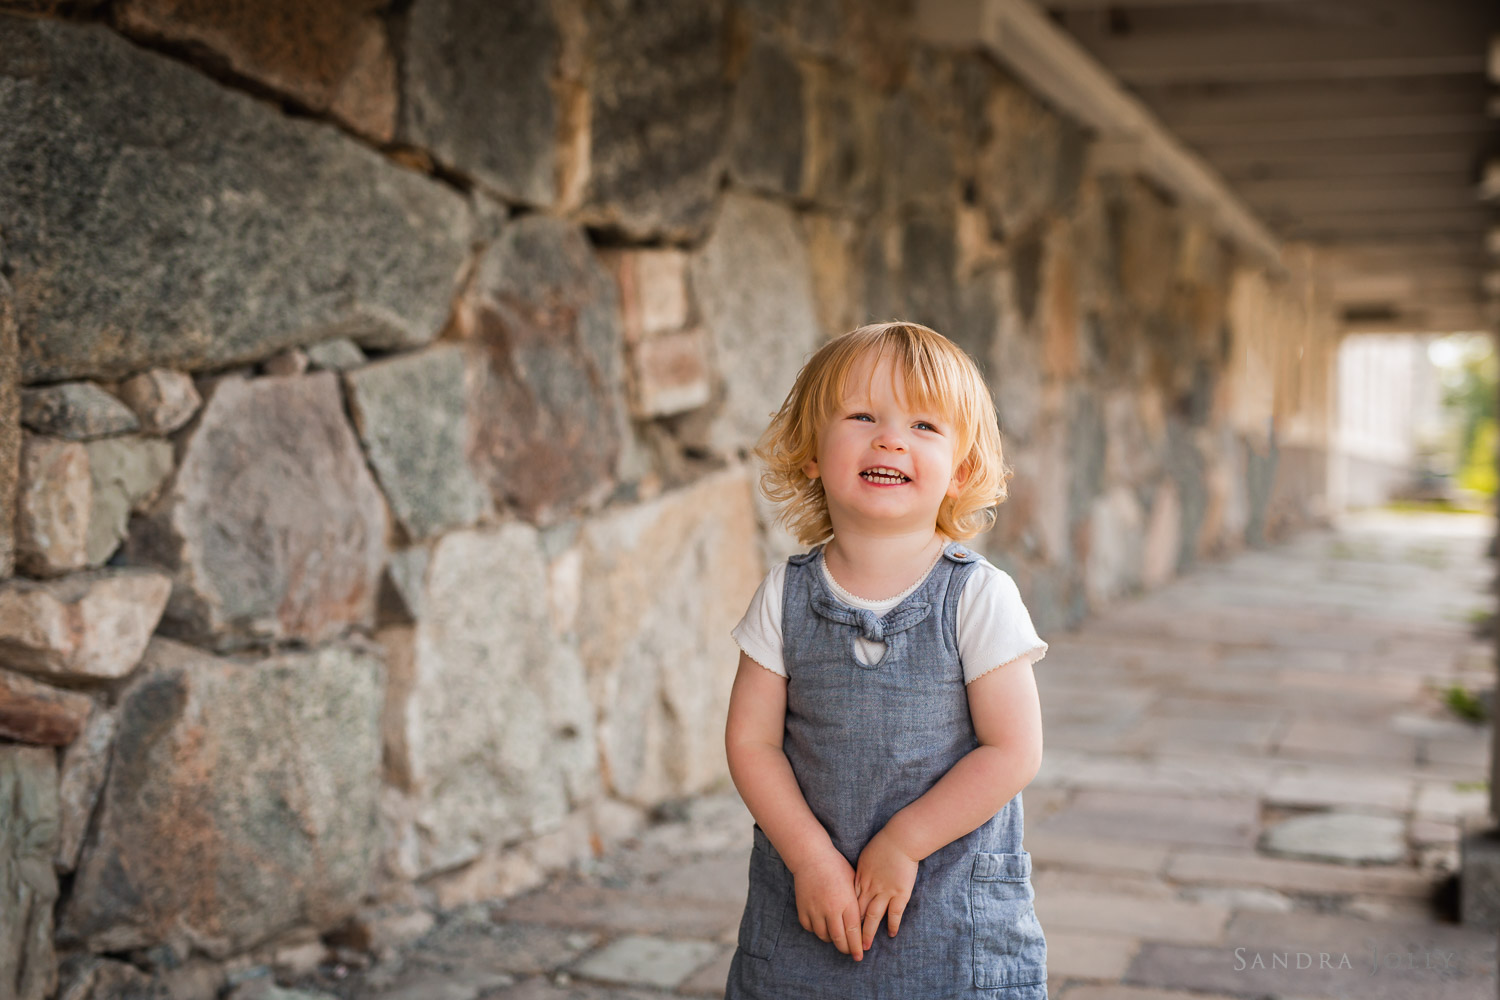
890	441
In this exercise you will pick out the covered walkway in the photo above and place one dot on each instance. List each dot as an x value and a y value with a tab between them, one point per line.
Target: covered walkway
1252	787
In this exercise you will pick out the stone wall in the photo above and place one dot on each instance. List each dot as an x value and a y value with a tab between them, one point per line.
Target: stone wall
376	384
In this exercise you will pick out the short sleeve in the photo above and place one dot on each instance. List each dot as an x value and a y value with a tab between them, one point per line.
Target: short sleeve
759	632
994	626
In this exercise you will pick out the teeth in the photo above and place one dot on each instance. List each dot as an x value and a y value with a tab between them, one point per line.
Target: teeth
886	476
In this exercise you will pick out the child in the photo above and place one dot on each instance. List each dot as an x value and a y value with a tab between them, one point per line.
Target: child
882	744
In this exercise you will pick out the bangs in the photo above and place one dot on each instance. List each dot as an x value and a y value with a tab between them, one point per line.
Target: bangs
929	373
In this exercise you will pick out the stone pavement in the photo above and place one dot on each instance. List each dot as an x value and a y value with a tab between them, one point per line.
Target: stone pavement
1251	788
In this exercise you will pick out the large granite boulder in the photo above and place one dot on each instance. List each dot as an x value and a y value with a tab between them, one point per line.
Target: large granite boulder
273	526
241	800
154	217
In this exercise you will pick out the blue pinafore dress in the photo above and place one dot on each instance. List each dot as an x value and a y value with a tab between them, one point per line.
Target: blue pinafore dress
864	741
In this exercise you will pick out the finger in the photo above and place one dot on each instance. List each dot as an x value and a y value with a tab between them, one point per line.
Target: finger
804	920
840	941
898	907
820	927
872	919
852	934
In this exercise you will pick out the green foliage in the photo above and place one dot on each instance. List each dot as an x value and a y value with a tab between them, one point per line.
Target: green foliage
1469	393
1464	704
1478	470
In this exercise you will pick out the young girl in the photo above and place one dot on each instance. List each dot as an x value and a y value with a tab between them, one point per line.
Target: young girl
882	742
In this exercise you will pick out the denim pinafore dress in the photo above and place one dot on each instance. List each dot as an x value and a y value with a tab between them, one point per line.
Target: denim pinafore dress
864	741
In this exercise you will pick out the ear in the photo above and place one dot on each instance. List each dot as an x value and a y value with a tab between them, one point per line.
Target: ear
810	468
960	477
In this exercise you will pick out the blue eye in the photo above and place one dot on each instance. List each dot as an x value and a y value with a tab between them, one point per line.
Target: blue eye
861	416
923	423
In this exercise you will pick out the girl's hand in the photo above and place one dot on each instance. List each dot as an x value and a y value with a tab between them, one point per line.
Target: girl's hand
883	880
826	905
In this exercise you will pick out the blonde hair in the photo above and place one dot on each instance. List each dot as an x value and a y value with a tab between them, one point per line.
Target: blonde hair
937	375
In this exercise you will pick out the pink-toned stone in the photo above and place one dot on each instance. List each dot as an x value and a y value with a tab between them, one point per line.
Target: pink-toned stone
36	713
292	361
162	399
273	526
52	512
670	373
92	625
653	291
542	321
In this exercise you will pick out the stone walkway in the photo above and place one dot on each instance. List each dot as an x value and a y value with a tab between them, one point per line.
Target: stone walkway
1252	788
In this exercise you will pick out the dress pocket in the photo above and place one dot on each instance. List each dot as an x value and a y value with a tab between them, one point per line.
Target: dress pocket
766	902
1009	947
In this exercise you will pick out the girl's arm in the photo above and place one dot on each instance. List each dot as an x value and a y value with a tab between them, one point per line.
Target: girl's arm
826	904
1007	717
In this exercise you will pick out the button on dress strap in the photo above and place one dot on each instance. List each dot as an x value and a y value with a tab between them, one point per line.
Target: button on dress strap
960	553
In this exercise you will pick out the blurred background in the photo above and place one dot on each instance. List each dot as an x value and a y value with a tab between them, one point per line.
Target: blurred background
377	384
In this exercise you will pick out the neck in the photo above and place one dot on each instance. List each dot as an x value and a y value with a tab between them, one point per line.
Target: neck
873	565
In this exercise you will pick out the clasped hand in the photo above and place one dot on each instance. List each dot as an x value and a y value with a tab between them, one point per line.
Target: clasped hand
843	905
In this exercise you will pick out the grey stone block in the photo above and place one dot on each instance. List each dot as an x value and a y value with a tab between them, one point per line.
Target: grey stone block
154	217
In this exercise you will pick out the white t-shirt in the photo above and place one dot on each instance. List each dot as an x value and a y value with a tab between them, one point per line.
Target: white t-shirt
994	627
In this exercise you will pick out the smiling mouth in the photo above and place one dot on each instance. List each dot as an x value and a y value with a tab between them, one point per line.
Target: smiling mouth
884	477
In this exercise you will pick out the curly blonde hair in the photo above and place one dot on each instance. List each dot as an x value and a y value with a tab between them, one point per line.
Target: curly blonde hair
937	374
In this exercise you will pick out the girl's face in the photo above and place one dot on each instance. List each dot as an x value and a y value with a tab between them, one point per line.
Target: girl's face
885	465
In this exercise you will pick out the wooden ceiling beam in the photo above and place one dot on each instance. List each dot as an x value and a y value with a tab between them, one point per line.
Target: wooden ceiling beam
1097	5
1293	52
1398	250
1257	105
1315	196
1423	318
1454	165
1354	227
1231	153
1372	125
